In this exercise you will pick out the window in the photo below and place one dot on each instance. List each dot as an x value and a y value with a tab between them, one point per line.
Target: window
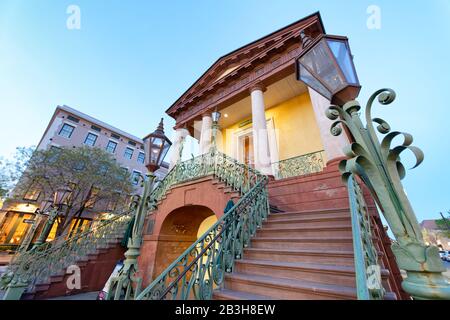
115	136
132	143
54	154
111	147
78	226
13	230
141	157
66	131
32	193
128	153
135	177
73	119
113	203
92	197
91	139
104	168
79	165
95	128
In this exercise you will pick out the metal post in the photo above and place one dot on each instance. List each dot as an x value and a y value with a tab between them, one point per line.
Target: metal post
378	165
127	284
30	235
47	227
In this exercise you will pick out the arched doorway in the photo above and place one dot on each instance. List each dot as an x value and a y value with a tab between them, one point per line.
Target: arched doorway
179	231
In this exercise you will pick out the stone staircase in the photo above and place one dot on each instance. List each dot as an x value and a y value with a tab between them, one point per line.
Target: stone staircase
305	252
95	265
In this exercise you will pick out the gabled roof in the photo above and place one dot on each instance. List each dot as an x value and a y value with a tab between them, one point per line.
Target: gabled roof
233	60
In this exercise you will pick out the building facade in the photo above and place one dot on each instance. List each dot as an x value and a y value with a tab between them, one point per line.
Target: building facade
277	125
208	233
71	128
436	235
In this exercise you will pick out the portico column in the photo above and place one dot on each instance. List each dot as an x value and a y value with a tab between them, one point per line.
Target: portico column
205	134
333	146
180	136
260	136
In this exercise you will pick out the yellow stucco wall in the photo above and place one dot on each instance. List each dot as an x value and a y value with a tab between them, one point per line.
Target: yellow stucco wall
295	127
206	225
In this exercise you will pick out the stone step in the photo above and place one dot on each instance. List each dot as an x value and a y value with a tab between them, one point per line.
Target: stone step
308	222
312	214
335	257
319	205
319	273
293	231
225	294
287	289
303	242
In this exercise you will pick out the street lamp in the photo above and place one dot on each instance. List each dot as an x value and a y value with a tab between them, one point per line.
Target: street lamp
47	208
127	284
50	208
215	126
156	147
326	65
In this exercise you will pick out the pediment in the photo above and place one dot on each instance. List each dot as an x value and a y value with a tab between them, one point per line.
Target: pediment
230	64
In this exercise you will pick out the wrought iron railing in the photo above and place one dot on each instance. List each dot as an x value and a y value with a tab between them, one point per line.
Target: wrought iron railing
299	166
367	268
202	267
235	174
36	266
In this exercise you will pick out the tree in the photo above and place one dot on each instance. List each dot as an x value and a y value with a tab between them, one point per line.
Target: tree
93	179
11	170
3	180
444	226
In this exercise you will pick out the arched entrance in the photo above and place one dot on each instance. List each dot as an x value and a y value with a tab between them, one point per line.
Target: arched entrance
179	231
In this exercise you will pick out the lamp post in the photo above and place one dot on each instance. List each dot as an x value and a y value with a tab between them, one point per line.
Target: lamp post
127	284
50	208
326	65
46	209
60	197
215	127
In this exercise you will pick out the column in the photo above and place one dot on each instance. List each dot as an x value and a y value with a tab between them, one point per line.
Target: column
205	134
260	136
333	146
180	136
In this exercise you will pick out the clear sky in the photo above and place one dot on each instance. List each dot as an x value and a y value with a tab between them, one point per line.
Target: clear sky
131	59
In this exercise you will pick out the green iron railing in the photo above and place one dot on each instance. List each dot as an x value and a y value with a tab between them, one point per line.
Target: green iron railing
235	174
300	166
367	268
202	267
27	269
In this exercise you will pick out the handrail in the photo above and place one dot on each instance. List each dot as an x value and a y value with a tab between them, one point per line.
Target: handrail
300	165
38	264
367	268
203	265
235	174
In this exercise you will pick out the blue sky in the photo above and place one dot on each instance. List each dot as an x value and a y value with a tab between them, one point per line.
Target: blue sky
131	59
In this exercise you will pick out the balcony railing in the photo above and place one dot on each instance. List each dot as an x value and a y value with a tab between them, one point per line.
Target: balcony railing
299	166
